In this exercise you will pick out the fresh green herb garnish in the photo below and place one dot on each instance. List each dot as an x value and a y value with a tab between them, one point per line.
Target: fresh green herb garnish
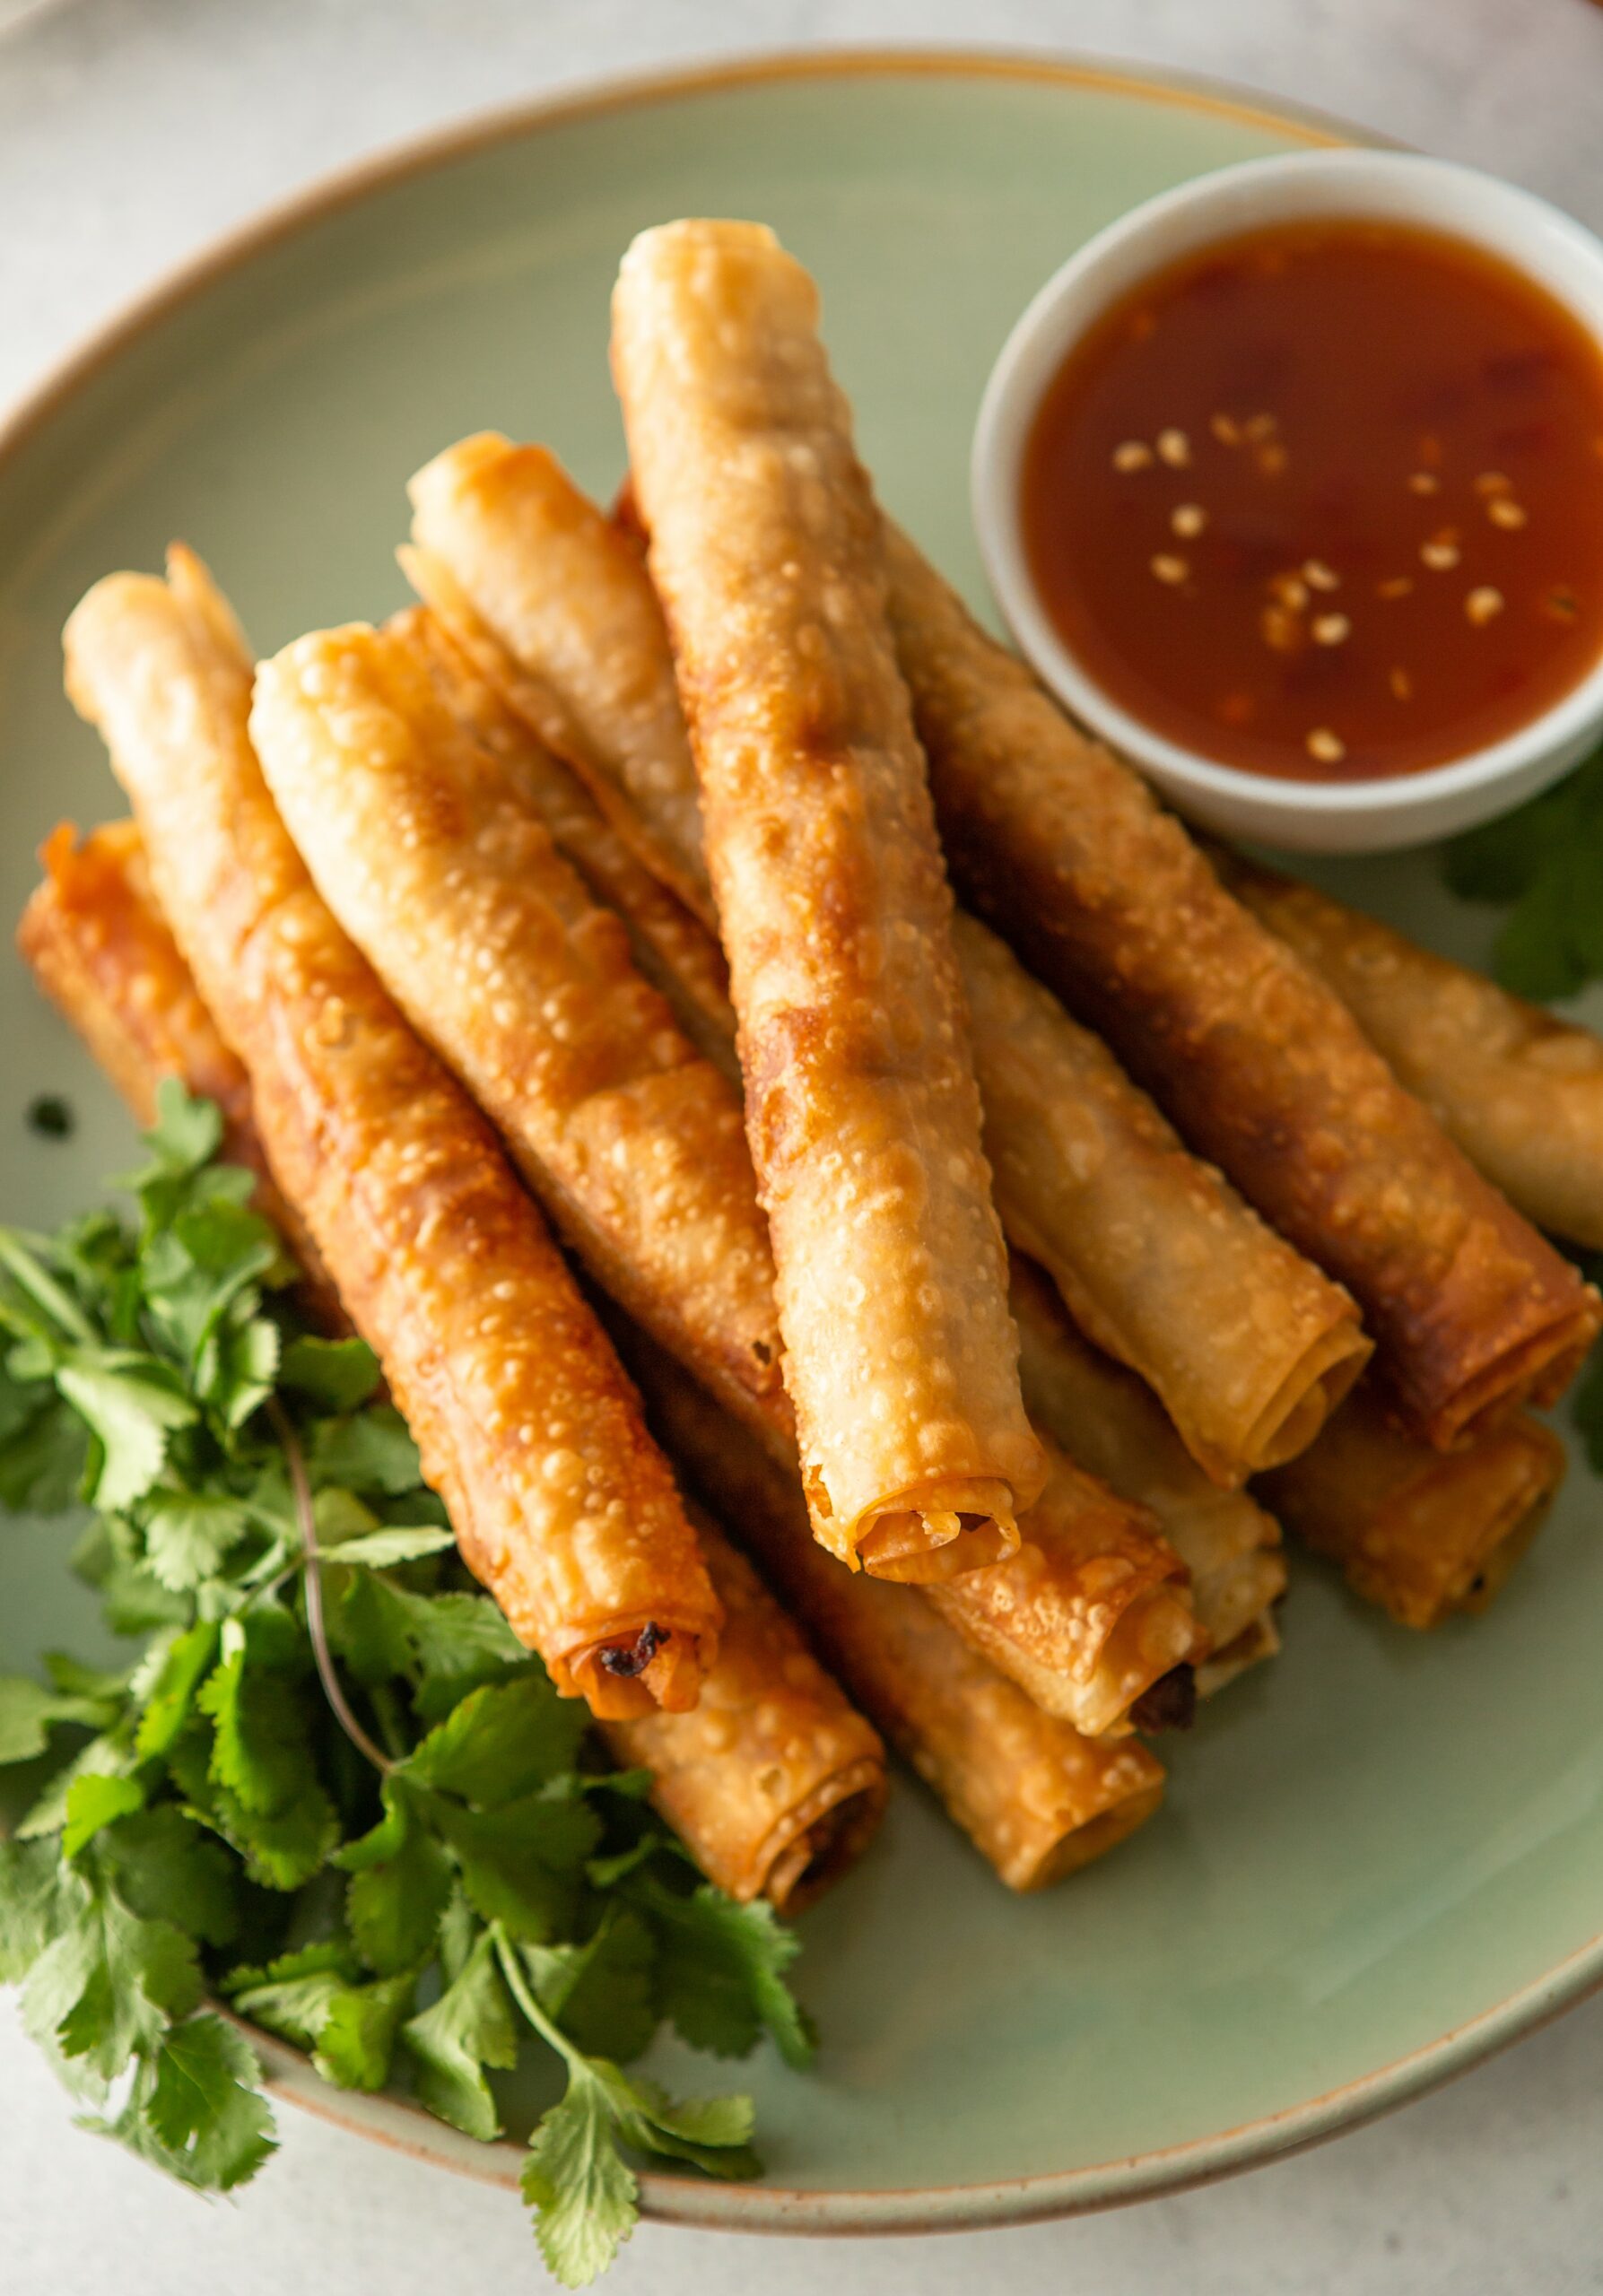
332	1790
1545	862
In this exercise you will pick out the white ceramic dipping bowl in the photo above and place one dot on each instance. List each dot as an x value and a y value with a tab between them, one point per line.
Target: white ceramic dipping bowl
1431	195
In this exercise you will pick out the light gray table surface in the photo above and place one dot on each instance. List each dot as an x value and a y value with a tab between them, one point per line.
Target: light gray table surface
132	131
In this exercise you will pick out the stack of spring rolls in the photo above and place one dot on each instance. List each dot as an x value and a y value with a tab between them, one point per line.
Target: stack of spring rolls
575	958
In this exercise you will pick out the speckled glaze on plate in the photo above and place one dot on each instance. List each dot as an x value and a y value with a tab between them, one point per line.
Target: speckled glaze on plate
1382	1856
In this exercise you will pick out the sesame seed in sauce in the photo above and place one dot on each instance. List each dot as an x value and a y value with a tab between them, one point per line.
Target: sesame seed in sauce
1482	604
1271	459
1504	511
1438	556
1175	448
1328	748
1259	426
1493	482
1401	684
1280	629
1318	575
1132	453
1170	568
1226	430
1397	586
1188	518
1330	628
1291	590
1425	482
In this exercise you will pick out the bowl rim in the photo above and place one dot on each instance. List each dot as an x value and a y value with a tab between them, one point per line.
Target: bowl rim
769	2207
1073	299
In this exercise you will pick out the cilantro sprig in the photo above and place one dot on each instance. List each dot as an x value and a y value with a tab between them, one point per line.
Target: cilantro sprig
331	1792
1544	862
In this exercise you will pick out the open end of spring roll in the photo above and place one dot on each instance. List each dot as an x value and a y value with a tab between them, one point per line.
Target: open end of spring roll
1246	1343
1068	856
1036	1798
861	1108
421	844
774	1782
1113	1423
1420	1533
502	526
1520	1091
561	1504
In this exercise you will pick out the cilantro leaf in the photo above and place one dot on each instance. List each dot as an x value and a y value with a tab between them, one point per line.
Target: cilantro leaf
1544	860
357	2038
182	1662
93	1801
28	1713
30	1883
340	1374
721	1971
381	1550
585	2195
468	2028
502	1742
522	1865
109	1982
400	1881
188	1534
167	1869
601	1993
43	1459
371	1452
204	2108
130	1404
261	1753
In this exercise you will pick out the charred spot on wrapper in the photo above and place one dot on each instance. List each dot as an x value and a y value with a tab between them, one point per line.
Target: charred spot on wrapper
52	1117
637	1656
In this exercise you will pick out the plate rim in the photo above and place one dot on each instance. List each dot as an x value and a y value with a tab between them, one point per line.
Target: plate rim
767	2206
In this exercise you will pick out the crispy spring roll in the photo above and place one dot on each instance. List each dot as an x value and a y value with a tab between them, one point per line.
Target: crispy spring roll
528	1427
774	1782
835	913
1065	851
669	942
422	846
1247	1344
1035	1797
1082	1653
1521	1091
1108	1420
1420	1533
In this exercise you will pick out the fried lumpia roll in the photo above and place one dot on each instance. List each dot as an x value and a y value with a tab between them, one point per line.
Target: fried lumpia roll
672	946
835	916
1521	1091
1246	1343
422	844
1035	1797
1420	1533
110	962
1114	1425
528	1427
774	1782
1068	855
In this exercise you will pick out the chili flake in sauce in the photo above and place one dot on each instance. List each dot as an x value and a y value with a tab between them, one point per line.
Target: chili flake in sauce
1325	501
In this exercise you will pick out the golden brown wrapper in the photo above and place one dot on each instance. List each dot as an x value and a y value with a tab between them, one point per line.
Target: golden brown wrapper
424	849
1521	1091
1035	1797
776	1782
1263	1070
526	1426
1114	1426
1246	1343
773	1781
833	908
1421	1532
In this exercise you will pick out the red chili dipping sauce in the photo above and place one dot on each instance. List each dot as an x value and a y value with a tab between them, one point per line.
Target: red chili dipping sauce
1325	501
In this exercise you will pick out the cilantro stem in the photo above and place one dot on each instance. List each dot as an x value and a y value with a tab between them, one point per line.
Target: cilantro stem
316	1627
511	1969
36	1284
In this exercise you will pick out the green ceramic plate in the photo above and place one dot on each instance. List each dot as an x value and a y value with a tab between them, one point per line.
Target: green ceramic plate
1382	1856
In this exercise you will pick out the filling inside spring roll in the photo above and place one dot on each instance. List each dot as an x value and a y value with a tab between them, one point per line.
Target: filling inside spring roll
1421	1532
1248	1344
1068	856
1521	1091
1037	1799
1113	1423
861	1110
774	1782
526	1423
